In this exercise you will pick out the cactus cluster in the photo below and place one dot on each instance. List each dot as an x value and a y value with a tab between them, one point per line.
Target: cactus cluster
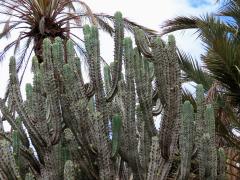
197	140
104	128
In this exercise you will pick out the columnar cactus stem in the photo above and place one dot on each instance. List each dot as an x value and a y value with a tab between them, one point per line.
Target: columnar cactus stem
144	91
167	74
118	52
142	42
221	164
204	163
210	122
6	113
69	170
77	96
52	91
116	130
204	138
23	111
104	157
7	162
128	97
200	123
107	78
16	147
186	139
29	176
93	50
153	169
144	140
208	152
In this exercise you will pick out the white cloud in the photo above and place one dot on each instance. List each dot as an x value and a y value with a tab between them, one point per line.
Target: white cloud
151	13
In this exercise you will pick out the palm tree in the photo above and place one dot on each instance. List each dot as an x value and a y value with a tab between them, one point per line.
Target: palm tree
221	40
220	74
38	19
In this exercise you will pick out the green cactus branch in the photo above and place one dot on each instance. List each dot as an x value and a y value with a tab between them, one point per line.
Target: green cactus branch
118	52
106	128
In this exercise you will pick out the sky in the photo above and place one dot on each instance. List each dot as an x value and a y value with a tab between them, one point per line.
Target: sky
153	13
150	13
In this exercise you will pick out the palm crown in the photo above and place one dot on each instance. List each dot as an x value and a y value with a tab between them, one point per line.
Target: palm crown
220	74
221	40
38	19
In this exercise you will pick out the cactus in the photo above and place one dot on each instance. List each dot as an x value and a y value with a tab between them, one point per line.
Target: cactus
29	176
205	133
153	171
186	139
198	130
7	162
69	170
16	146
222	164
118	53
116	130
105	128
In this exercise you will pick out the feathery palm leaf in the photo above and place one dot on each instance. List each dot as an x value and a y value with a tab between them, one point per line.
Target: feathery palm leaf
180	23
187	96
220	34
38	19
184	23
222	58
231	8
221	43
129	25
192	71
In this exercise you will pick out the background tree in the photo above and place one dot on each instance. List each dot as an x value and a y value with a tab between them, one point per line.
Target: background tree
39	19
220	71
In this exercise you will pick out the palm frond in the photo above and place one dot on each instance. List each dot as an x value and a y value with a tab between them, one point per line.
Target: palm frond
7	29
129	25
39	19
104	25
187	96
180	23
231	8
88	11
17	44
222	59
26	65
21	59
184	23
9	46
192	71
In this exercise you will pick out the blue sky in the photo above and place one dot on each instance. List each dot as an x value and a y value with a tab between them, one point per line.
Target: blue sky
199	3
